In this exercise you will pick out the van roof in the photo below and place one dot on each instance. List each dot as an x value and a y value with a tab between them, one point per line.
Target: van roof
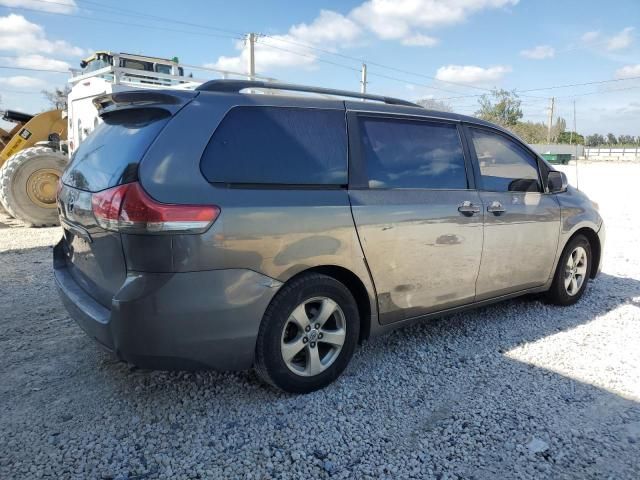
378	103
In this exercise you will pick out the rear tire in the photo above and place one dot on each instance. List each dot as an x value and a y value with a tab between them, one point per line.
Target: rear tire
572	273
28	183
316	318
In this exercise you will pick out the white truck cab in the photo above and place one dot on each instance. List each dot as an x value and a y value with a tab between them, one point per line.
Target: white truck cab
106	72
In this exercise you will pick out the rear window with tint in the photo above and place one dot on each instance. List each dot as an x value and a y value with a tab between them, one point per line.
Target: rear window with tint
110	155
278	145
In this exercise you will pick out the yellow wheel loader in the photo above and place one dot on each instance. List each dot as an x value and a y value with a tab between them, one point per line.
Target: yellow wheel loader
32	159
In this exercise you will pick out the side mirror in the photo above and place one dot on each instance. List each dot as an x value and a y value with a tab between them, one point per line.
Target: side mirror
557	182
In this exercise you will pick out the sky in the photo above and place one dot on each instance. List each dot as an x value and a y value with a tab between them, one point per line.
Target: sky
451	50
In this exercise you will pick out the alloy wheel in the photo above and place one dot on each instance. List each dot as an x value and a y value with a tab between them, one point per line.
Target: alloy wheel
575	271
313	336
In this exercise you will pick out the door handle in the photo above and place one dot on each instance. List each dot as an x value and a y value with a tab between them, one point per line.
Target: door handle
496	208
467	208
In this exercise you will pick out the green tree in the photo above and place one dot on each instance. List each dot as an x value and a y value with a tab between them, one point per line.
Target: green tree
626	139
571	137
594	140
501	107
530	132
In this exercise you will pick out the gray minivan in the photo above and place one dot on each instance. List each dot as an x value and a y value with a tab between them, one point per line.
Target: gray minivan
221	229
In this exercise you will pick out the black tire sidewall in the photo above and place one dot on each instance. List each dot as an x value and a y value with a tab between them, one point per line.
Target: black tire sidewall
276	316
558	292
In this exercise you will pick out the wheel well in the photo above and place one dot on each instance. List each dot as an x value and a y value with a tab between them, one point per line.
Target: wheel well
596	248
357	289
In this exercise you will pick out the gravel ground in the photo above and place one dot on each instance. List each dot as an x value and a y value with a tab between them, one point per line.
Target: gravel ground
516	390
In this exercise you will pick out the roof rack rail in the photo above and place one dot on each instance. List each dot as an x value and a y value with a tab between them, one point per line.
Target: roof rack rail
236	86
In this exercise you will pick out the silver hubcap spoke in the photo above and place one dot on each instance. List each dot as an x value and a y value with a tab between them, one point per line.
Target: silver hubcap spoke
291	349
575	271
313	336
327	309
299	317
333	337
314	365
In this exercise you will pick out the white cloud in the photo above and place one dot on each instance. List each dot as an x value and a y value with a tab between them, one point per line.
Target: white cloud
420	40
36	61
628	71
471	74
590	36
56	6
20	81
329	27
395	19
327	31
539	52
17	34
403	20
621	40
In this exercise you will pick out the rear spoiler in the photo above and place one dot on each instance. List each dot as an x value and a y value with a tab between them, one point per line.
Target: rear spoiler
172	101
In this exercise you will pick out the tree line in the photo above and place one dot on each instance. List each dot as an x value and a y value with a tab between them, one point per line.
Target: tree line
504	107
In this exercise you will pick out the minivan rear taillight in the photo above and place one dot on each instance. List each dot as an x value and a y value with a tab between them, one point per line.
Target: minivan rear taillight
127	208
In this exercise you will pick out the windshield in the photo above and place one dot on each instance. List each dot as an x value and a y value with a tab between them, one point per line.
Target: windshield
96	64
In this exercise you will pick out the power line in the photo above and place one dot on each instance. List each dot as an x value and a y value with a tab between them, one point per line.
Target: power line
129	24
304	45
599	92
237	35
312	47
307	46
159	18
347	67
376	64
596	82
341	55
581	84
389	77
21	92
310	56
9	67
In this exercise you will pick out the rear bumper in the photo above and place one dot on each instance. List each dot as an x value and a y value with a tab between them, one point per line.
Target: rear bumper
186	320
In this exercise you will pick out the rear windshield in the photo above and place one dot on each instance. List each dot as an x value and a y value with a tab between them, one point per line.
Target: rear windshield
278	145
110	155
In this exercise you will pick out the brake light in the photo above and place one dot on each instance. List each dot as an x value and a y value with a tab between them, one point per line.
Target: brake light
127	208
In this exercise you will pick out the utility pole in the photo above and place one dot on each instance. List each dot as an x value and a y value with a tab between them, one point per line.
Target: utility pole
550	122
363	80
576	130
251	66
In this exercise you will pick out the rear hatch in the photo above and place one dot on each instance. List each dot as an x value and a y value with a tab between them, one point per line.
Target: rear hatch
108	157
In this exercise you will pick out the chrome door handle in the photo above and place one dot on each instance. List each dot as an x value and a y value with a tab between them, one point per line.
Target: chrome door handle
496	208
467	208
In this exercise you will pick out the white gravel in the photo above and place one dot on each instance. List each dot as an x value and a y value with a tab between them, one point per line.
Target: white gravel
516	390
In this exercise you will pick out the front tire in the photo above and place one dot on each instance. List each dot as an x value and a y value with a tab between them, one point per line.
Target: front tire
28	184
572	273
308	334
